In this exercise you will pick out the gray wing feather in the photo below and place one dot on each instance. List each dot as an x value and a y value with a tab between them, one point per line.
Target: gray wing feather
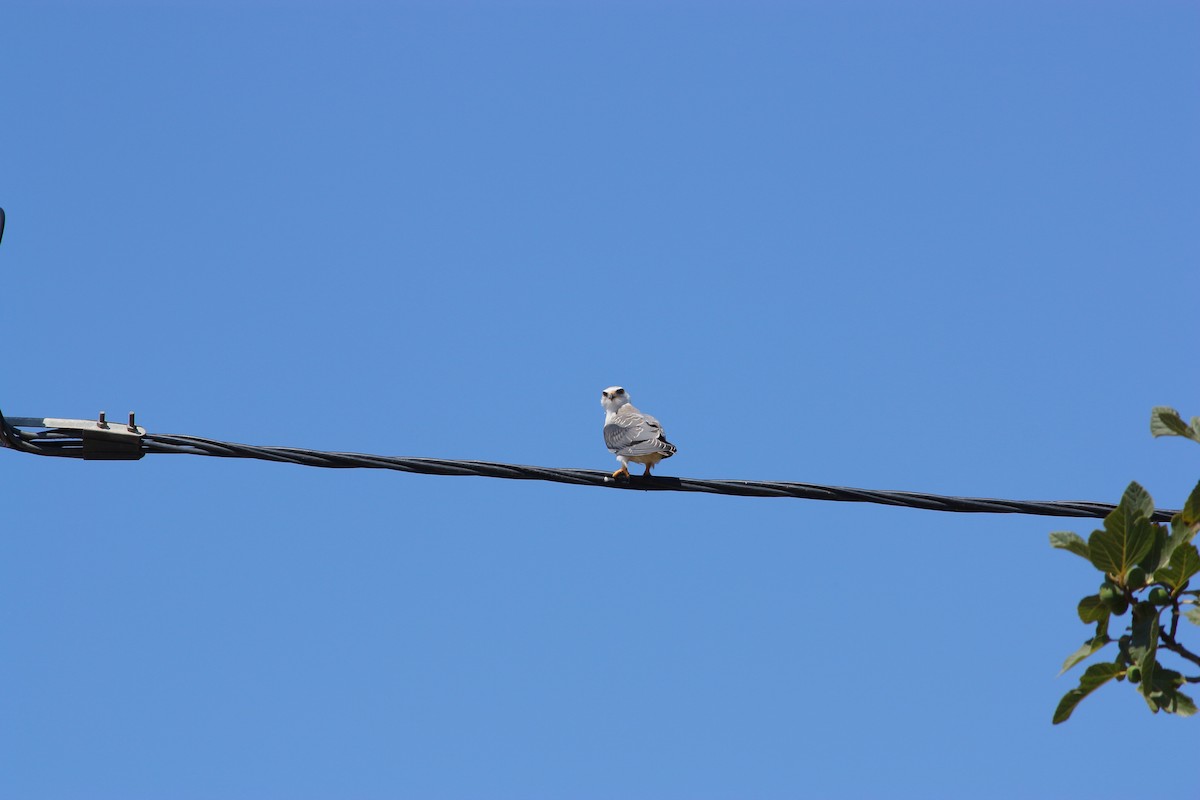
636	434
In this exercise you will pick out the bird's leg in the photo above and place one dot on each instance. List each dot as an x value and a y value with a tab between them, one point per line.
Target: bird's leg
624	470
646	474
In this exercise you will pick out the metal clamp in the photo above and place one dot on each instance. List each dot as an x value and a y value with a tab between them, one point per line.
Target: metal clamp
92	440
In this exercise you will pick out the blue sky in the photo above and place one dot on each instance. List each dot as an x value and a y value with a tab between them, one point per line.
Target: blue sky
929	246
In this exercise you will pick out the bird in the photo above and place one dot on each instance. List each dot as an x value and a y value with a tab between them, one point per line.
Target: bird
631	435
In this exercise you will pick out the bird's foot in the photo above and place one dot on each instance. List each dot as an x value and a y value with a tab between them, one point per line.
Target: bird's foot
622	472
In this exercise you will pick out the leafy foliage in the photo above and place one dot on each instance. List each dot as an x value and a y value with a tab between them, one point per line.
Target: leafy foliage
1069	540
1165	421
1096	676
1147	567
1093	609
1128	534
1090	647
1184	563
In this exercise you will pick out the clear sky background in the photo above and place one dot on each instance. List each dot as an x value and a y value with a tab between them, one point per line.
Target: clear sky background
942	247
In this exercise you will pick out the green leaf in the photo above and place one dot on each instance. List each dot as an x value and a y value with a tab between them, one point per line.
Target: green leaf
1138	499
1092	609
1166	679
1184	706
1185	562
1193	615
1191	509
1153	557
1162	693
1090	647
1143	648
1144	632
1128	534
1181	534
1093	678
1165	421
1069	540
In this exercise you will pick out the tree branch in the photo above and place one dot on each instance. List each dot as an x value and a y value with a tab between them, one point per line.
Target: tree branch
1168	641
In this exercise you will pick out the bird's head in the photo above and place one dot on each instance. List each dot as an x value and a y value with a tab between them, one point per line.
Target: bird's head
613	398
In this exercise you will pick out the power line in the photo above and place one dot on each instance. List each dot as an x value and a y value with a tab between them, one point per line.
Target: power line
104	440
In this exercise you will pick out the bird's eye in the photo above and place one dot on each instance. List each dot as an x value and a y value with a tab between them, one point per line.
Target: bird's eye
619	391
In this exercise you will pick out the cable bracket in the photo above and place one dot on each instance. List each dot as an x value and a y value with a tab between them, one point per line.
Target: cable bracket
91	440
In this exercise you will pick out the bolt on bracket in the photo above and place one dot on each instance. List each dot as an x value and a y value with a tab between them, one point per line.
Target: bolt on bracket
92	440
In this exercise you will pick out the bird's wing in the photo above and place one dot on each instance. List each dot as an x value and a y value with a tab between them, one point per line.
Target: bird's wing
636	434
